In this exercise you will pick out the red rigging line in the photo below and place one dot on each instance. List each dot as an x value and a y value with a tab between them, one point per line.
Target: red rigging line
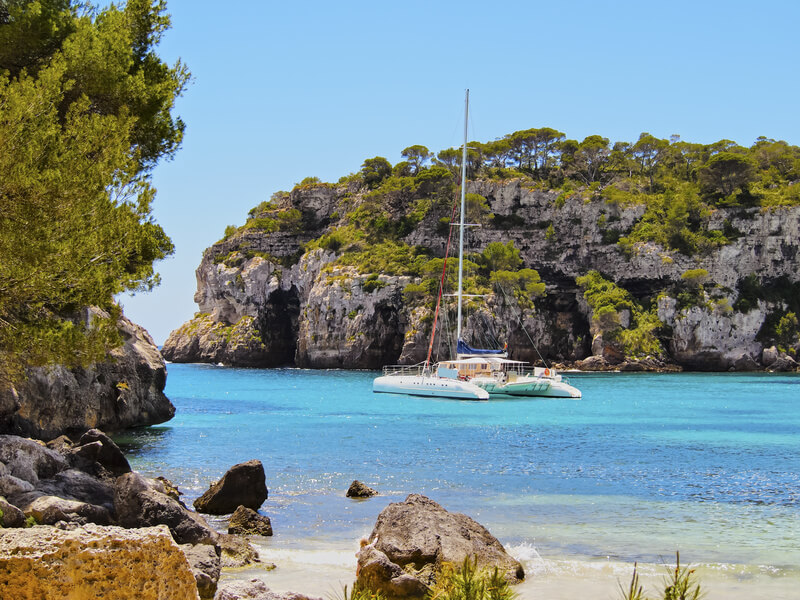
441	285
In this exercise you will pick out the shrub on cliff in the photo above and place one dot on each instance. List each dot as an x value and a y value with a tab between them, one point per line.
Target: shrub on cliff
638	337
85	113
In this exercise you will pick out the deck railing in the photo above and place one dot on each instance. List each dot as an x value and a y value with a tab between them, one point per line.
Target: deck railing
412	370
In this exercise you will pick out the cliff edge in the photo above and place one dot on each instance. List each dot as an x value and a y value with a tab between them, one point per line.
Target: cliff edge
125	391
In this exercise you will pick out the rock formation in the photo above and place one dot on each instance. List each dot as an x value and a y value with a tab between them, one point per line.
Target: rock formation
358	489
262	306
246	521
236	551
47	563
243	485
126	391
412	539
89	482
142	502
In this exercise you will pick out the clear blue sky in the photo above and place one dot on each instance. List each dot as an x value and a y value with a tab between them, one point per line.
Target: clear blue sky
285	90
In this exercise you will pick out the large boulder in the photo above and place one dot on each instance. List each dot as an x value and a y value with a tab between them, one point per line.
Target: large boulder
108	455
29	460
412	539
49	510
140	502
244	484
783	363
77	485
46	563
246	521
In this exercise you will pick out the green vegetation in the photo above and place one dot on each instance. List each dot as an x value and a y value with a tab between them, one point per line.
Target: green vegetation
372	283
85	114
676	220
780	327
358	593
680	584
467	582
610	303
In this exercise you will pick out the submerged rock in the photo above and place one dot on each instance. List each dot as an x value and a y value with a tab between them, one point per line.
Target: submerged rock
243	485
412	539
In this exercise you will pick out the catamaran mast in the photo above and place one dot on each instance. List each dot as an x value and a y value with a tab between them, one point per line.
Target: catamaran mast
461	223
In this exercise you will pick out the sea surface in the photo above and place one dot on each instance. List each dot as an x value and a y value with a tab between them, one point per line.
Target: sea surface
642	466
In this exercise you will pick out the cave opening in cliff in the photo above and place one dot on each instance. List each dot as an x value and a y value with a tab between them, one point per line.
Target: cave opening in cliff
278	326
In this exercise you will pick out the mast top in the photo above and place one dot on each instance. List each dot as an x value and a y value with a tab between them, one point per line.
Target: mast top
461	222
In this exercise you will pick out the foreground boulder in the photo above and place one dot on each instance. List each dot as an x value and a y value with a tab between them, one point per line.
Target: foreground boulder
244	484
358	489
412	539
46	563
246	521
140	502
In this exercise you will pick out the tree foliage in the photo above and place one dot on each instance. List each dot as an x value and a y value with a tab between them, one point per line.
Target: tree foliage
608	301
85	113
375	170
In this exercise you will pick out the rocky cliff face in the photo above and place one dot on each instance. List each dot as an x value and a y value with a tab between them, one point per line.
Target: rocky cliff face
126	391
257	311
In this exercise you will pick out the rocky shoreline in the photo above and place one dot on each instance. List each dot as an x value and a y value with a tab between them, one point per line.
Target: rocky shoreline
77	522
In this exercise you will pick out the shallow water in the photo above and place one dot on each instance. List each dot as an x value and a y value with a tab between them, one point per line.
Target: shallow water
642	466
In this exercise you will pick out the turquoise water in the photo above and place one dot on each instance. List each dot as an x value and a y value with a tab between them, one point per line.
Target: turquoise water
643	465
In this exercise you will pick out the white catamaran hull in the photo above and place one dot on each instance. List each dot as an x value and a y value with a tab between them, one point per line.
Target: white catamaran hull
529	387
417	385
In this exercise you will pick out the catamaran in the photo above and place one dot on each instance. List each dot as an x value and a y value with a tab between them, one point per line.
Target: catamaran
475	374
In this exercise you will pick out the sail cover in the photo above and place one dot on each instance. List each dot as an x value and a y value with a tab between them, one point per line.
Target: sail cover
463	348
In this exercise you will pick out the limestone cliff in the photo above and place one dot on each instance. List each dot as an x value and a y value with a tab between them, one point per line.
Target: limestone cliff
263	302
125	391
